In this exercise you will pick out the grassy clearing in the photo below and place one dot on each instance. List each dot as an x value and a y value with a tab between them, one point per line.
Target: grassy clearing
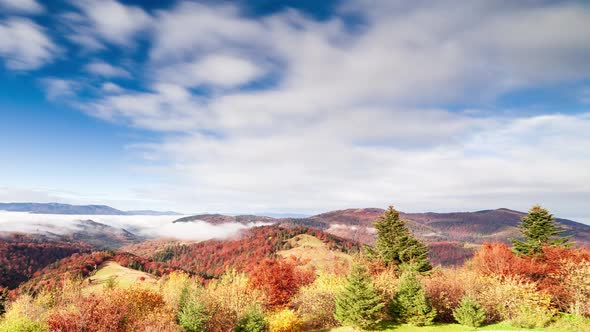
386	327
115	274
310	249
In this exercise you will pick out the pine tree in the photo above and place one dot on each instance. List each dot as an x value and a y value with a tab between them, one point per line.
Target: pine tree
395	245
358	305
469	313
538	229
410	304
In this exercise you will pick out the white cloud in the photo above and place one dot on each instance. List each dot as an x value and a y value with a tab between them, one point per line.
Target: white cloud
56	88
150	226
22	6
216	70
104	69
355	116
24	45
108	20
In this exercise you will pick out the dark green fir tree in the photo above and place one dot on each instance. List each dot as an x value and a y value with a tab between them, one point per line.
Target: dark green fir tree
395	245
411	305
359	305
538	229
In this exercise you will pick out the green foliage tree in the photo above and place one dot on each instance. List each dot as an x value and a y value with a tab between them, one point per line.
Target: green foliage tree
469	313
410	303
192	314
395	245
358	305
253	321
538	229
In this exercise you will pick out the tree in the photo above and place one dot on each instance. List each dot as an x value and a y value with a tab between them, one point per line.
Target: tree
395	244
410	303
358	305
538	229
469	313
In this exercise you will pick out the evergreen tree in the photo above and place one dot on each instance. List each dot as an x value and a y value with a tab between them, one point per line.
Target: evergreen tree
538	229
395	245
410	303
358	305
469	313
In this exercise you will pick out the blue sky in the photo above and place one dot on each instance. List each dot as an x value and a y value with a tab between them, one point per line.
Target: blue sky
296	106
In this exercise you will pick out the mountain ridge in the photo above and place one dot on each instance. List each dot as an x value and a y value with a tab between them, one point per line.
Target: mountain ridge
71	209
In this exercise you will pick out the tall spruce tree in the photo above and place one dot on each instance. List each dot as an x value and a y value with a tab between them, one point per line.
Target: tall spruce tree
538	229
395	245
359	305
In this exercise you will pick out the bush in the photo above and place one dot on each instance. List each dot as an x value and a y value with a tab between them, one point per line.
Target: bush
574	323
228	300
284	321
254	321
115	310
514	300
315	303
411	304
193	316
445	288
469	313
26	314
577	285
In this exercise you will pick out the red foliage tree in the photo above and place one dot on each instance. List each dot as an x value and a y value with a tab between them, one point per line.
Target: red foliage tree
280	280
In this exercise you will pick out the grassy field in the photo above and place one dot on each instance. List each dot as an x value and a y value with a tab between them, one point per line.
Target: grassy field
311	249
115	274
386	327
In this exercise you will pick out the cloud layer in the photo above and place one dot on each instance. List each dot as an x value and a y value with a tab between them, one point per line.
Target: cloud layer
382	102
148	226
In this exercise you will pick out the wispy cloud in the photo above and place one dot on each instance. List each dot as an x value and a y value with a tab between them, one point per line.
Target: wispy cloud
22	6
24	45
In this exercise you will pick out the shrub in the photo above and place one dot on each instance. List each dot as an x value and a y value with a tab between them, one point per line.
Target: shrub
26	314
469	313
115	310
358	305
445	288
411	304
513	299
315	303
577	285
228	300
569	322
284	321
254	321
193	316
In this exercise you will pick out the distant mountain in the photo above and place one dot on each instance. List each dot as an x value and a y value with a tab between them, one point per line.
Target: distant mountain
217	219
452	237
58	208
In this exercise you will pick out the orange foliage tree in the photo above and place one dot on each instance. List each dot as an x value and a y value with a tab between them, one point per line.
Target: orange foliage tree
280	280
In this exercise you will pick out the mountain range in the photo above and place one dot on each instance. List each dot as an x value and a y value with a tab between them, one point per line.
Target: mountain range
58	208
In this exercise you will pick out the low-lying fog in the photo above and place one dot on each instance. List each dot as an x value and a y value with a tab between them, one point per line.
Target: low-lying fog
148	226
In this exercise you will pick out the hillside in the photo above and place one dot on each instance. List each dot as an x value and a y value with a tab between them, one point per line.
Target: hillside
23	256
211	258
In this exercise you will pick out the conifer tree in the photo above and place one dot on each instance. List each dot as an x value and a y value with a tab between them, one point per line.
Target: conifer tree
538	229
469	313
395	245
358	305
410	304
